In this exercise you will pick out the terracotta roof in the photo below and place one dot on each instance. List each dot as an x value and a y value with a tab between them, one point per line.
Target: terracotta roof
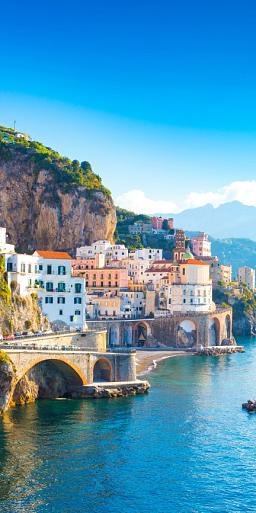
58	255
193	261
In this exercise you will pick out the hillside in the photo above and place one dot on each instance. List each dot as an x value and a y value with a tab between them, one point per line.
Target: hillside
48	201
237	252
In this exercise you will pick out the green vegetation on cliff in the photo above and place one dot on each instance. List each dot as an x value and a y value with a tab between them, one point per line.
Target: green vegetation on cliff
66	172
244	308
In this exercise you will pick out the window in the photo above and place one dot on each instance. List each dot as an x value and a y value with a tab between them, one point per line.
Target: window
61	287
40	267
77	300
77	312
49	286
61	300
29	268
94	283
78	288
60	312
22	268
49	300
183	271
184	300
49	269
170	301
61	270
9	267
71	318
109	283
191	301
102	284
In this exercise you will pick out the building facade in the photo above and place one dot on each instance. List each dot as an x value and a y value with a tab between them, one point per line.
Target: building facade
62	296
201	246
246	275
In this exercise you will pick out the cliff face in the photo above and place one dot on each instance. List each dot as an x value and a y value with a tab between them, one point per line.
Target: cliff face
43	204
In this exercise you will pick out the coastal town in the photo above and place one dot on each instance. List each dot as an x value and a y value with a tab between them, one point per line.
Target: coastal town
106	284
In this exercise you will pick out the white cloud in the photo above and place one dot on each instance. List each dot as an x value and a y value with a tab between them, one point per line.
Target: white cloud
136	200
243	191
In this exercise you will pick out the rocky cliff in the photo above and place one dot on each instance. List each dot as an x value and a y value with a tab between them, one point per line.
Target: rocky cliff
244	309
48	201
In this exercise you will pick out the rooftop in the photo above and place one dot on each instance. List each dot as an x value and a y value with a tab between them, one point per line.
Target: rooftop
58	255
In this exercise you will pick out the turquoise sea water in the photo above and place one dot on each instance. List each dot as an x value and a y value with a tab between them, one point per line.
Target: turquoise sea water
186	447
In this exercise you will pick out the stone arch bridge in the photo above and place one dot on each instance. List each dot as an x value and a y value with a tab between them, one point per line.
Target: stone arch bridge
78	367
181	330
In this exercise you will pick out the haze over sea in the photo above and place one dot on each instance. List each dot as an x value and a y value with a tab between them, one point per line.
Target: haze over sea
185	447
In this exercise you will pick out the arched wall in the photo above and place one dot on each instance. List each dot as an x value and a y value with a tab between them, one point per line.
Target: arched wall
67	367
102	370
186	333
214	332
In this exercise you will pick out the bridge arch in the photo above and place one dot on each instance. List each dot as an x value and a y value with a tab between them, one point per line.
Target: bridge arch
68	368
228	326
102	370
186	335
214	332
142	331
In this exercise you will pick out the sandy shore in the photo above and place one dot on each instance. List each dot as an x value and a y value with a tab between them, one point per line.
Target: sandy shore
147	360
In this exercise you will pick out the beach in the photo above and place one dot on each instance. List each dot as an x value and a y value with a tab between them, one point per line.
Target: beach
146	361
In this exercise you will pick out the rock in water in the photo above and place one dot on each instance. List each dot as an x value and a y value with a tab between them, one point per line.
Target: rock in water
250	406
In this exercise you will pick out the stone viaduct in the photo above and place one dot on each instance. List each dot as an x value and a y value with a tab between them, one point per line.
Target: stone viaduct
80	367
191	330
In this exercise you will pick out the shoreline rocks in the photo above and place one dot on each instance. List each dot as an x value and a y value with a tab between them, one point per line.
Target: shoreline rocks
95	391
220	350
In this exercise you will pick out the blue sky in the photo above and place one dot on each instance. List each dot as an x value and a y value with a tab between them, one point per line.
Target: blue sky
158	95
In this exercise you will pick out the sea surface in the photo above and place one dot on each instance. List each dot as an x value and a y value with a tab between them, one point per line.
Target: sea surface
186	447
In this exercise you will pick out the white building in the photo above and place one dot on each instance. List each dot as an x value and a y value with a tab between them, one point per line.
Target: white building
111	251
136	268
116	252
23	272
201	246
132	303
100	246
247	275
193	292
62	296
220	274
148	254
4	247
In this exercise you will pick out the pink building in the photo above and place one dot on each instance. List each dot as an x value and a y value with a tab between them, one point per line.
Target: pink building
157	223
201	246
82	264
102	278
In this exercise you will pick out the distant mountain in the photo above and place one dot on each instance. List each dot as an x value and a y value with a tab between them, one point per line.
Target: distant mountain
226	221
